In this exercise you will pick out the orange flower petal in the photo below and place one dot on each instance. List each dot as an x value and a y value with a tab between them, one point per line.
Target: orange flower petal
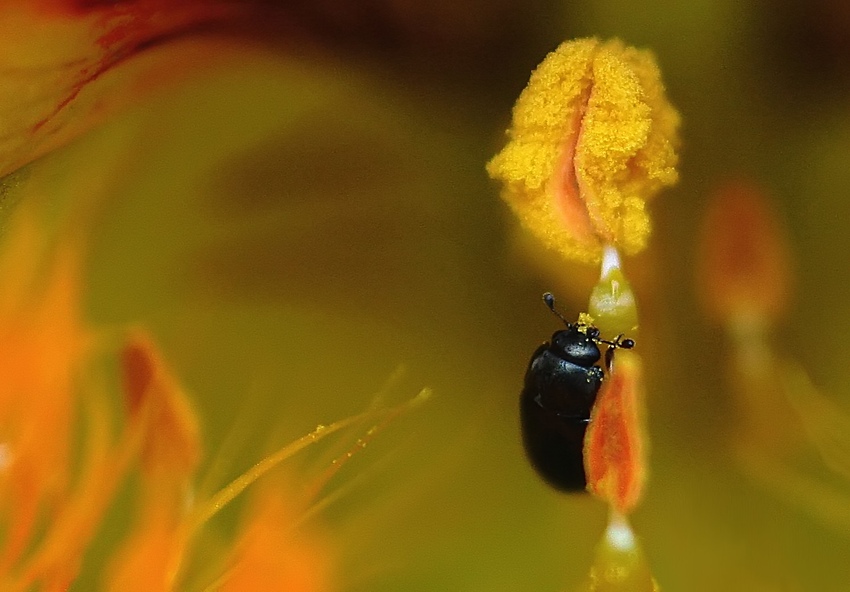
43	345
146	559
58	555
615	443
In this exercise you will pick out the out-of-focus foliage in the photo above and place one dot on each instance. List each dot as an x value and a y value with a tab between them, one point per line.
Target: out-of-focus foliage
309	209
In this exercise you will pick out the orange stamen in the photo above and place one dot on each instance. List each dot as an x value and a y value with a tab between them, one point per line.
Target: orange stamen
614	446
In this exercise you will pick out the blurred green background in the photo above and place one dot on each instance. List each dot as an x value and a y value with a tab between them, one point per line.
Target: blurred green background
295	224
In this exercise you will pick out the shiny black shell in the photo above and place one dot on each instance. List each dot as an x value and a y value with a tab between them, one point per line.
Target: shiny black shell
560	388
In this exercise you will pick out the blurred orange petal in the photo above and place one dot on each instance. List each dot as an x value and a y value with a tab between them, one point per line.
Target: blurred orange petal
146	559
271	555
744	261
58	555
171	441
42	346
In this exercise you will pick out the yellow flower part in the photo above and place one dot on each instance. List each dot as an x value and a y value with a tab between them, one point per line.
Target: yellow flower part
593	138
619	564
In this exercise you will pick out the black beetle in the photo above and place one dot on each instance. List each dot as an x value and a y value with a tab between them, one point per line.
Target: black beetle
560	388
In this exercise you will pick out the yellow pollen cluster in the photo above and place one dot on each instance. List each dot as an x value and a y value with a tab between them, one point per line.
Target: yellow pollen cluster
593	138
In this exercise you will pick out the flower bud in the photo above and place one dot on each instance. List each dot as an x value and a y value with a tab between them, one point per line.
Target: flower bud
744	271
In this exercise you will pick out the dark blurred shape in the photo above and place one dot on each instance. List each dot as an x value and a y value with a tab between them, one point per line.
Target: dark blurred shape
806	44
443	35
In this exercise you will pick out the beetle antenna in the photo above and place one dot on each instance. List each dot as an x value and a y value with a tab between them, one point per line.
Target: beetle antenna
619	342
549	299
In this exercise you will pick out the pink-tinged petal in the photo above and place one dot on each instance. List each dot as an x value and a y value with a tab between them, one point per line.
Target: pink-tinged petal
43	344
67	66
